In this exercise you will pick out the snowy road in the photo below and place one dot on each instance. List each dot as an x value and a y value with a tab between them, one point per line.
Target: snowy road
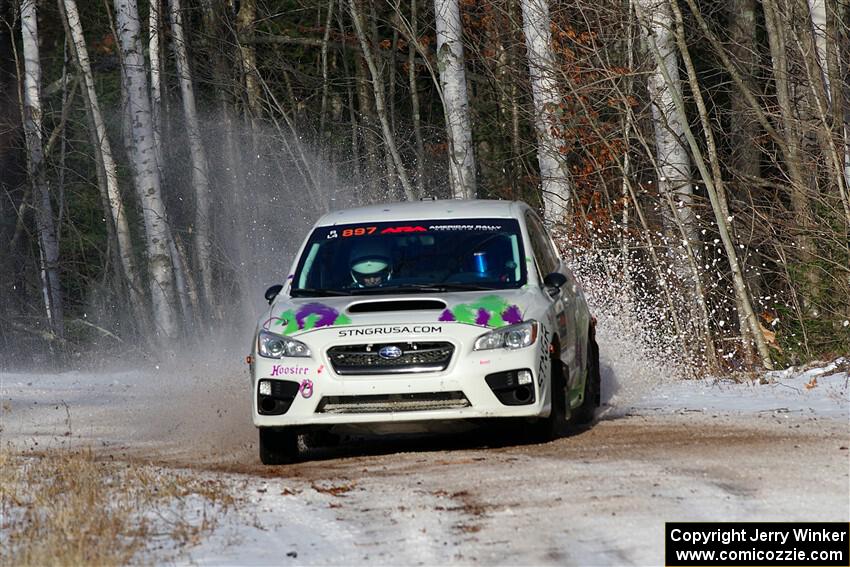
665	450
600	497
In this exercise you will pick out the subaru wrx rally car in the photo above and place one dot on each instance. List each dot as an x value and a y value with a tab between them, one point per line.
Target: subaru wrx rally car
422	312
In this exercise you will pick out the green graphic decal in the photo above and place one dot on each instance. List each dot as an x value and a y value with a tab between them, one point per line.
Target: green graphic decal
489	311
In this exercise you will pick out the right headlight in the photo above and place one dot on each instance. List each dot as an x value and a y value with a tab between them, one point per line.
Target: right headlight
271	345
513	336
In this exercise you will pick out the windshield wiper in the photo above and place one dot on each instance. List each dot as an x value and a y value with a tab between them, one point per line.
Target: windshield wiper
422	287
314	292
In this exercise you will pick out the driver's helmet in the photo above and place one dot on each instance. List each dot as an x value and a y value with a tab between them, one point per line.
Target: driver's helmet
370	263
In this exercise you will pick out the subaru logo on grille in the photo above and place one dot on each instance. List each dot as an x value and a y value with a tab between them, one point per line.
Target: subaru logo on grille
390	352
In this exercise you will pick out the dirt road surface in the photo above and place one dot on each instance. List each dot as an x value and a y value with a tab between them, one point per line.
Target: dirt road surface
600	496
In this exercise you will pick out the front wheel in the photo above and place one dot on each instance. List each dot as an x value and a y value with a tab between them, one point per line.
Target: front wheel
586	412
278	446
554	426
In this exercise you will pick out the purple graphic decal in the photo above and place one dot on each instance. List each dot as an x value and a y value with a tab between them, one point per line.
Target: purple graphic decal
325	315
310	316
512	315
482	317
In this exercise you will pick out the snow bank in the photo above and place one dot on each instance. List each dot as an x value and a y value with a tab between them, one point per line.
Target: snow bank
822	391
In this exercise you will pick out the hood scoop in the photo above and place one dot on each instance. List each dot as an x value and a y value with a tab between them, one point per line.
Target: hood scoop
397	305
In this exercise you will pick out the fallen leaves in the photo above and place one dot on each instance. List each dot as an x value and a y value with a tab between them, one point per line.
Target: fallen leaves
770	337
338	490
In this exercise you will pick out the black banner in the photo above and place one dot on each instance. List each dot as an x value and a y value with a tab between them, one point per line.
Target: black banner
757	544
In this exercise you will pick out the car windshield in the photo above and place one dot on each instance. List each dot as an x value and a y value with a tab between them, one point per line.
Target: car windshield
415	256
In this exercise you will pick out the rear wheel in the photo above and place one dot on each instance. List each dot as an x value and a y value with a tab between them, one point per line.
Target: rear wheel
278	446
586	412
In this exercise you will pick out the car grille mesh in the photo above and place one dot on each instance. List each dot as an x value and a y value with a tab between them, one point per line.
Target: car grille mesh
388	403
415	357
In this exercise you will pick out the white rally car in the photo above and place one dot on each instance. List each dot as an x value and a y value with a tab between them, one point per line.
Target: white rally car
421	312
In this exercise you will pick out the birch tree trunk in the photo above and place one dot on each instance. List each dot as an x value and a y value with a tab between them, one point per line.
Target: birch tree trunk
673	161
554	174
154	51
842	86
103	150
200	170
146	172
47	236
455	100
817	14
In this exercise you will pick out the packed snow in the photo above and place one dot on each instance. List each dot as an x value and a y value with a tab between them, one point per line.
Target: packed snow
598	497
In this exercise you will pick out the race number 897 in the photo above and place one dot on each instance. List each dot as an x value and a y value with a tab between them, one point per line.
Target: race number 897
360	231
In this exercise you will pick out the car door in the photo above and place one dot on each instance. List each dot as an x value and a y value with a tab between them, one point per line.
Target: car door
563	305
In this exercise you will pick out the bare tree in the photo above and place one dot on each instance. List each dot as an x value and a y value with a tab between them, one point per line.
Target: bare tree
414	98
455	101
103	153
711	174
245	22
673	161
744	131
380	106
47	236
554	175
145	170
154	54
200	170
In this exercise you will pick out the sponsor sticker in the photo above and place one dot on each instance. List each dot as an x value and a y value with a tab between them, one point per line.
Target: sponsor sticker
389	330
281	370
306	388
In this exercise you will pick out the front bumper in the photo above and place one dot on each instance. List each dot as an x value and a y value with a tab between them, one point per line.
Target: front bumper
323	397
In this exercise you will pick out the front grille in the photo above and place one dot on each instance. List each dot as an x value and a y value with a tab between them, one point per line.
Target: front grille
387	403
415	357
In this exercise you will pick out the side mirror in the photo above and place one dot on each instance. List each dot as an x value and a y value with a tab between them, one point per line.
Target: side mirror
555	281
272	292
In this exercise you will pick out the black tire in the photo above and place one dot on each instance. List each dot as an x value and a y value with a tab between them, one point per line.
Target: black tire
586	412
322	437
278	446
554	426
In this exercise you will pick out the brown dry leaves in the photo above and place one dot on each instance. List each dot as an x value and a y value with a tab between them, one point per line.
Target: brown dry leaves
68	508
770	337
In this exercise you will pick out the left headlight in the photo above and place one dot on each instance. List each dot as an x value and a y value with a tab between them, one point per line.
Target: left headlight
513	336
271	345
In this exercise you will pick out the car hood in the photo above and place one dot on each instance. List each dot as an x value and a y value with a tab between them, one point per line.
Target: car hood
489	309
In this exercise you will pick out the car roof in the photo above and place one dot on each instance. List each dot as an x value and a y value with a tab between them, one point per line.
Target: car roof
426	210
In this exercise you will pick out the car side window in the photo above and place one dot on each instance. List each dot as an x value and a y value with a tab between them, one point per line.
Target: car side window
546	257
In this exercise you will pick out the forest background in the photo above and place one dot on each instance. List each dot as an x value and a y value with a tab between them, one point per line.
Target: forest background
160	160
